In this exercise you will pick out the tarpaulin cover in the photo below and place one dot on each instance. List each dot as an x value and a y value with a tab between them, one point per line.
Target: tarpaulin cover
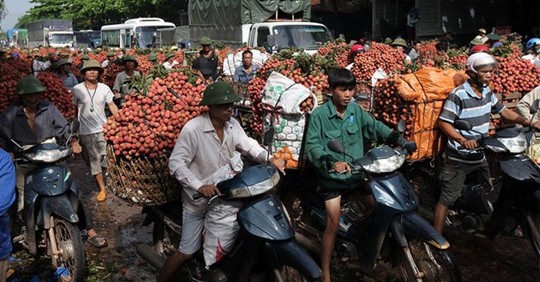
427	89
237	12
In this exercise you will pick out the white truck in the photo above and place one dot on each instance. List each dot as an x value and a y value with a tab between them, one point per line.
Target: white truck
50	33
271	24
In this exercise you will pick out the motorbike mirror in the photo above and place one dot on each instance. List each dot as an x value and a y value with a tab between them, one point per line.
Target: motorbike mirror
268	137
336	145
534	107
401	126
75	126
462	125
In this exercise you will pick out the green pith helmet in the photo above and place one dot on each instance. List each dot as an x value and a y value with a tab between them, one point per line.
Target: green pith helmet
388	40
205	40
61	63
91	64
219	93
168	56
128	58
29	85
152	57
399	42
111	54
85	57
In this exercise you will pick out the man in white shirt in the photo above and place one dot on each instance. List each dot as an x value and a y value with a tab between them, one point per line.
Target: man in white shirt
91	97
206	145
533	46
170	62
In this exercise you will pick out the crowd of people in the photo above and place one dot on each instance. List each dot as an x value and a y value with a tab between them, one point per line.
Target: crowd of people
216	140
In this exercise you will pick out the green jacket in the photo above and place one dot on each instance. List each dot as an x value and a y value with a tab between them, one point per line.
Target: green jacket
353	130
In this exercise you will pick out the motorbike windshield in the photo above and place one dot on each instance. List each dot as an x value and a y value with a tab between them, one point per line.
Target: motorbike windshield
61	39
301	36
146	36
46	153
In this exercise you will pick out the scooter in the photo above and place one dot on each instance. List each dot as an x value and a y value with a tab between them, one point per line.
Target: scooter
266	246
520	190
51	205
379	220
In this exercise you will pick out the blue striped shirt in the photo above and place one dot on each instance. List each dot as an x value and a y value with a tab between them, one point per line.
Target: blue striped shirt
464	104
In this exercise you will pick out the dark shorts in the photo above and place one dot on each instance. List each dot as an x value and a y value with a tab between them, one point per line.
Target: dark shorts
329	194
453	175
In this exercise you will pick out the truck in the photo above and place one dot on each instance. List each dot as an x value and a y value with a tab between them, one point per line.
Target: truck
50	33
17	37
87	39
272	24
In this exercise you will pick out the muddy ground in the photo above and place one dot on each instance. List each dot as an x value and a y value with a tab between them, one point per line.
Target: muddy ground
506	259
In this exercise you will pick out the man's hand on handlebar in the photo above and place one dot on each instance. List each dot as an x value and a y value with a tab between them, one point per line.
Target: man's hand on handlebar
536	125
208	190
341	167
468	144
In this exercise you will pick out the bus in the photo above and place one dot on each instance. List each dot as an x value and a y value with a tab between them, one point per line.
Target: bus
135	33
87	39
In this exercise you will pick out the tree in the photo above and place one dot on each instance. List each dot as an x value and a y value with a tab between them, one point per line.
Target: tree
94	14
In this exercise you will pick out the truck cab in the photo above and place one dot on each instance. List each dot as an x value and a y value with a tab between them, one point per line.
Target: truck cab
278	35
61	39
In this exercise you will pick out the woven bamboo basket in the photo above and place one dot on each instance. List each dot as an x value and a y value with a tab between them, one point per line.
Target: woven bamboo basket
142	181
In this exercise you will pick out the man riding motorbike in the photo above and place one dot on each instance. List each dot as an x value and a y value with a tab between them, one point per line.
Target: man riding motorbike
474	102
207	152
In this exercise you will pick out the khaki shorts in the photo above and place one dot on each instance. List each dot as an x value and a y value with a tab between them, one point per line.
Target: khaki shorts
94	151
453	175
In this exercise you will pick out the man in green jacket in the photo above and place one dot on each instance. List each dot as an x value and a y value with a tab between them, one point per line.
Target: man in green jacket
339	118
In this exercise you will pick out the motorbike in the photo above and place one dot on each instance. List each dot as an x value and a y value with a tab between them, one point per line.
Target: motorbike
266	246
470	211
378	221
51	205
520	188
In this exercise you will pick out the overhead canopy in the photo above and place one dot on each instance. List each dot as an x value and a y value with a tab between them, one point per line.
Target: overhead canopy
237	12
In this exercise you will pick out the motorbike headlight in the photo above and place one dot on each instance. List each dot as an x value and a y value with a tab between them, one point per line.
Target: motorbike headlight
256	189
515	145
47	156
386	165
495	149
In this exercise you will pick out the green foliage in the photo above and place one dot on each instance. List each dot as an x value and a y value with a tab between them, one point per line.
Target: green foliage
94	14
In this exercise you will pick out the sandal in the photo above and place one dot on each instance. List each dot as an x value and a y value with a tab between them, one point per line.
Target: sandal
98	242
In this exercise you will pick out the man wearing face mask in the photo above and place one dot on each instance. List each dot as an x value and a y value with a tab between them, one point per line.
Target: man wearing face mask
533	46
474	102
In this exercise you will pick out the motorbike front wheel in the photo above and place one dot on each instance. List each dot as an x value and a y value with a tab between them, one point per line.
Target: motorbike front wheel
435	264
288	274
532	225
69	243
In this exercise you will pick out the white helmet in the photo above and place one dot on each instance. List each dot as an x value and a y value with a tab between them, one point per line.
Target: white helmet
481	59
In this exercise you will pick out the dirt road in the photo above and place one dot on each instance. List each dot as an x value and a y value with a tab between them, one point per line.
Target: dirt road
506	259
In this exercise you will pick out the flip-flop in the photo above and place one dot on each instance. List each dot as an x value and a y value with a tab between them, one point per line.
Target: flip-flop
98	242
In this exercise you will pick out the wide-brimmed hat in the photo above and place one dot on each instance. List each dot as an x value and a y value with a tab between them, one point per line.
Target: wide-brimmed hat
219	93
29	85
168	56
152	57
482	30
91	64
130	58
400	42
205	40
476	41
61	63
494	37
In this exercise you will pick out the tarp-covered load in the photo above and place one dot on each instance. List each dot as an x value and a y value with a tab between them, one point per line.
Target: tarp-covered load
426	90
223	19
